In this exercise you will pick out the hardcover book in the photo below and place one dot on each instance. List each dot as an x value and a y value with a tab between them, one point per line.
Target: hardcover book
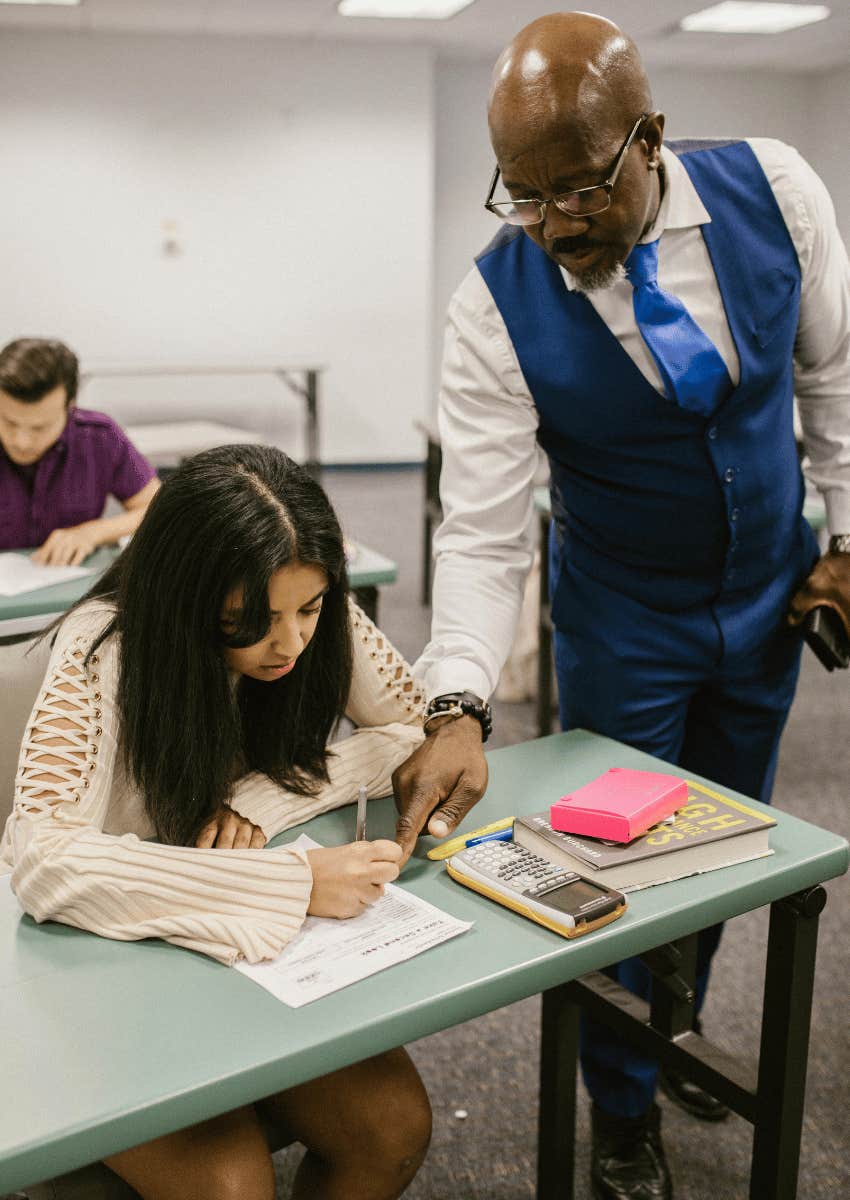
708	832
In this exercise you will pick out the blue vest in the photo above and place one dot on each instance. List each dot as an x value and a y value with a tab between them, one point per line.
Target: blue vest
663	505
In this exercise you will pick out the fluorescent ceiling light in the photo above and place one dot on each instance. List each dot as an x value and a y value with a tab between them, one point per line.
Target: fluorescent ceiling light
743	16
53	3
413	10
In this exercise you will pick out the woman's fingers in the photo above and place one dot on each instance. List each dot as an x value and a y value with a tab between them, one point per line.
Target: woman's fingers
227	830
242	834
206	837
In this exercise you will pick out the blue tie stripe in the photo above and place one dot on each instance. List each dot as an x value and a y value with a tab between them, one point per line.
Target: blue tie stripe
693	373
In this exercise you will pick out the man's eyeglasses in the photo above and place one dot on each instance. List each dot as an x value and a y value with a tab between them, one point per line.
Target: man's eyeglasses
584	202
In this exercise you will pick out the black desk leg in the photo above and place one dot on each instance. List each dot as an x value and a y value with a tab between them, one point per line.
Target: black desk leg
788	982
427	556
311	398
433	513
559	1036
544	638
367	598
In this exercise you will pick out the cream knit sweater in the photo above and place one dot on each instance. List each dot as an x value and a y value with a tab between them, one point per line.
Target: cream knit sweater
75	841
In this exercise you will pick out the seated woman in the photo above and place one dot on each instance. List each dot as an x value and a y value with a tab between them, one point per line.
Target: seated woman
190	697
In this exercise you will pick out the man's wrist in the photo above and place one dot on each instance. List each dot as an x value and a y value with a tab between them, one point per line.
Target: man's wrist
455	705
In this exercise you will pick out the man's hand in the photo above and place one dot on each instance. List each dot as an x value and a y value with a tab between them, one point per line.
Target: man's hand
67	547
440	782
228	830
829	585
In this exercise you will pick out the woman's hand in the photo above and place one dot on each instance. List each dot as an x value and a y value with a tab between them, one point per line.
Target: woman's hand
347	879
227	830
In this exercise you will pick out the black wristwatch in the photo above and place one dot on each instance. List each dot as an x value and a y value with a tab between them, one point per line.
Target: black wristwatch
458	704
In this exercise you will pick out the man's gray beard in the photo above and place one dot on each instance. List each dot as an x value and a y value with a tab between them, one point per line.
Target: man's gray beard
598	280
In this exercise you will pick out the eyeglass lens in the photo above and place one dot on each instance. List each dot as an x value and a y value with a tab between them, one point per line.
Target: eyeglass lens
531	212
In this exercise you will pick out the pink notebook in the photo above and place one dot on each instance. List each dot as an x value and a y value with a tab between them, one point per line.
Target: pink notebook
619	805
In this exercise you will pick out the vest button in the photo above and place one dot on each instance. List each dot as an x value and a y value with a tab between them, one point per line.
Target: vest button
712	433
734	514
729	474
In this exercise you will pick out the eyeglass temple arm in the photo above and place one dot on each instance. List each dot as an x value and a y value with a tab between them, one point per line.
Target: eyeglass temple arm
493	183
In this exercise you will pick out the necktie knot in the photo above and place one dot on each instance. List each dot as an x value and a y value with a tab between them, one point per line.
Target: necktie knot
642	264
692	371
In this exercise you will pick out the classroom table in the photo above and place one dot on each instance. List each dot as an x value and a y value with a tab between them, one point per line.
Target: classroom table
26	613
301	379
110	1044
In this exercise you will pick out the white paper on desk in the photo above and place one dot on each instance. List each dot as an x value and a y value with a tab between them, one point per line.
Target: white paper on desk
327	954
18	573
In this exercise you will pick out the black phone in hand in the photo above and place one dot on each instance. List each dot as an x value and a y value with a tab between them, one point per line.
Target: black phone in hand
824	630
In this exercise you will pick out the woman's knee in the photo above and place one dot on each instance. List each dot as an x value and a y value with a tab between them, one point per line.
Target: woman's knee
226	1158
238	1181
396	1130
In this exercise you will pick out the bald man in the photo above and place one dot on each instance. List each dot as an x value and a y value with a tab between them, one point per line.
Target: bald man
645	314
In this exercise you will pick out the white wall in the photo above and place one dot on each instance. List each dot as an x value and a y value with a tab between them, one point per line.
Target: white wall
299	177
464	164
328	199
828	142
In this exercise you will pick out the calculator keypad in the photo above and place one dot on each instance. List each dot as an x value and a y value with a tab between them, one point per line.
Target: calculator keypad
526	872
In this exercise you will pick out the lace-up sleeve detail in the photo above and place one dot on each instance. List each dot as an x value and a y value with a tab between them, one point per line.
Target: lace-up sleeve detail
382	687
63	738
225	903
387	705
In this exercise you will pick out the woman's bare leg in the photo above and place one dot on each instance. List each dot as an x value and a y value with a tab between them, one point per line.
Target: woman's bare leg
366	1129
226	1158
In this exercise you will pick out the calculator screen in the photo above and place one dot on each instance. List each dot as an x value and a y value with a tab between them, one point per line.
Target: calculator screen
572	896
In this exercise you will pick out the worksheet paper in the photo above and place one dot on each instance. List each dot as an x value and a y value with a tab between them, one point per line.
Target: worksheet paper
18	573
327	954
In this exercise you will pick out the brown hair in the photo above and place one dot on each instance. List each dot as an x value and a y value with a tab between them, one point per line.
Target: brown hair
32	367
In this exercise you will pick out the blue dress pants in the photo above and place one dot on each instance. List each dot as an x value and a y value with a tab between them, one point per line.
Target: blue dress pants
666	684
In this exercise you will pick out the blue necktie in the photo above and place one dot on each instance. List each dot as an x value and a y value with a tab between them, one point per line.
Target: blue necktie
693	372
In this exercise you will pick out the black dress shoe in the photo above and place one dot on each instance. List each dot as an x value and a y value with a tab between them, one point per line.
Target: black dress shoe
691	1097
688	1095
627	1159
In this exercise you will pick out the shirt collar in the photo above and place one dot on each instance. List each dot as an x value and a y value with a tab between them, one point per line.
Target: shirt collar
681	207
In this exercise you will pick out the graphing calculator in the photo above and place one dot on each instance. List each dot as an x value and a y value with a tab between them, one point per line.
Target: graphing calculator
553	896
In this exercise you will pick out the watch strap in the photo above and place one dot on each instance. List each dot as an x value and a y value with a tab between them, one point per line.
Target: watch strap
839	543
457	704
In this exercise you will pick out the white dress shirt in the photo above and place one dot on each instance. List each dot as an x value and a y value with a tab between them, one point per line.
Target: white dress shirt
488	420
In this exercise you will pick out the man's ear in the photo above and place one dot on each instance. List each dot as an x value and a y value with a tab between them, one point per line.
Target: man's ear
652	137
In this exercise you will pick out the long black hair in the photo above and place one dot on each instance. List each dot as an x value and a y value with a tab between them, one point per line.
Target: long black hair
227	518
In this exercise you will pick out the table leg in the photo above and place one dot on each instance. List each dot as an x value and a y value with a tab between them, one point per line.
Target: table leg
544	638
311	398
559	1043
787	1008
427	535
367	598
309	393
433	513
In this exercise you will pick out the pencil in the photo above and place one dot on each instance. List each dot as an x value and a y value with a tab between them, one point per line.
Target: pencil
360	833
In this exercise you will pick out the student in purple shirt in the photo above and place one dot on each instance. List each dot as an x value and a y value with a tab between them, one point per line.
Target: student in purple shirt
59	463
